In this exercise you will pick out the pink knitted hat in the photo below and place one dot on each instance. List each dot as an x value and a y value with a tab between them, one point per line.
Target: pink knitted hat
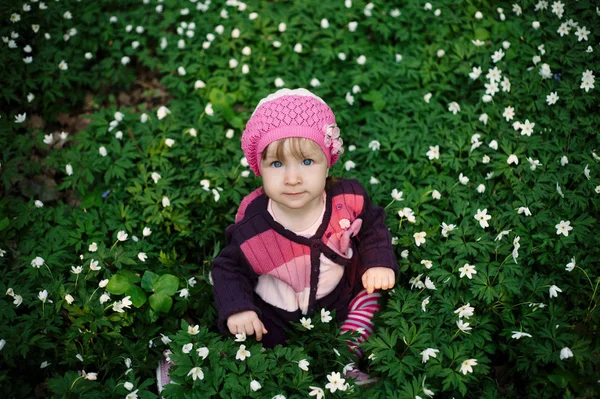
291	113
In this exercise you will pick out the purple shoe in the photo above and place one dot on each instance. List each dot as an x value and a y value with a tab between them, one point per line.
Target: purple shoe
359	377
162	374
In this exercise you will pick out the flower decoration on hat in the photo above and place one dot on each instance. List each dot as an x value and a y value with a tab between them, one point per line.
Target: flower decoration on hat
333	141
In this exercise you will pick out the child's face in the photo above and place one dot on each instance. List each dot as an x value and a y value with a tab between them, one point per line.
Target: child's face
294	182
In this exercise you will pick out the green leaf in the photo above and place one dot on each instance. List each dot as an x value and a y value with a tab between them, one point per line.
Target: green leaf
160	302
3	224
149	280
118	284
167	284
138	296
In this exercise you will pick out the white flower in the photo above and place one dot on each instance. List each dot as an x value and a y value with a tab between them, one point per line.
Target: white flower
336	382
553	291
427	97
509	113
69	299
429	284
454	107
125	60
519	335
349	165
242	353
165	340
165	201
255	385
279	82
582	33
38	204
467	270
563	228
477	43
303	364
564	160
69	169
374	145
361	60
128	385
466	366
427	353
240	337
325	316
397	195
282	27
180	71
464	327
316	391
142	256
571	265
187	348
233	63
202	352
424	304
184	293
565	353
155	176
433	153
512	159
482	217
527	128
199	84
37	262
475	73
306	323
552	98
196	372
524	210
465	311
463	179
408	214
428	264
122	236
162	112
169	142
103	283
446	228
349	98
497	56
440	53
481	188
76	269
435	194
586	172
419	238
43	296
483	118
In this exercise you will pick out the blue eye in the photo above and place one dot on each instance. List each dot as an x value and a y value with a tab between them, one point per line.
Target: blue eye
276	164
307	162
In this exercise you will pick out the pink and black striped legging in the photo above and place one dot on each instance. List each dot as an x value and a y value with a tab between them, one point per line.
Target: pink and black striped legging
360	315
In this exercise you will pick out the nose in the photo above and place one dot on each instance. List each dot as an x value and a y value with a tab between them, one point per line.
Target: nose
292	176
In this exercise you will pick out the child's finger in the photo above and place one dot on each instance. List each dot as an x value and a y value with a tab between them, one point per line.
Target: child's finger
258	328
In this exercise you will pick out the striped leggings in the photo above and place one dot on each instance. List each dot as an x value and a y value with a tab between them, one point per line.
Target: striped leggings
360	314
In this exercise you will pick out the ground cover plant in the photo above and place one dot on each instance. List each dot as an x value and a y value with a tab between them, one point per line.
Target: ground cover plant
475	124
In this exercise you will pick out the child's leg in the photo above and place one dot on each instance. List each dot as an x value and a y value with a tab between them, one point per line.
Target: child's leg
360	314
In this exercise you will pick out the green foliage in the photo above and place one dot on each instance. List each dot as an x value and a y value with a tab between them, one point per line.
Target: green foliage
131	205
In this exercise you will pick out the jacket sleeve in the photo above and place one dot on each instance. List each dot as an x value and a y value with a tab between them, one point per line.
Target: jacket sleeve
233	282
374	239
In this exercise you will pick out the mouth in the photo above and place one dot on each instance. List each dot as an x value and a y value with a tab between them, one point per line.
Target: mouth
294	194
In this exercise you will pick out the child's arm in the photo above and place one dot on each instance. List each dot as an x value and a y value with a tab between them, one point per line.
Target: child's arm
233	289
377	260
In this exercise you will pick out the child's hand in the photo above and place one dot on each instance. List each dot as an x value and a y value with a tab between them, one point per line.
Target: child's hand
246	322
378	278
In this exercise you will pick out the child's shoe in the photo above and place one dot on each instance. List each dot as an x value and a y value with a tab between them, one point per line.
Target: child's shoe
162	373
360	378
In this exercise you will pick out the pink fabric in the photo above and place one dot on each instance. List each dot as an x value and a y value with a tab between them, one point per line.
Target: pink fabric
261	254
284	117
361	310
245	202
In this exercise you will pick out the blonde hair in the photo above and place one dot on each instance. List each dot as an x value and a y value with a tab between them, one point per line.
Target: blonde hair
297	146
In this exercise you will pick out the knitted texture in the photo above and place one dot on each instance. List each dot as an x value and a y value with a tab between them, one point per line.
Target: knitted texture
284	117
